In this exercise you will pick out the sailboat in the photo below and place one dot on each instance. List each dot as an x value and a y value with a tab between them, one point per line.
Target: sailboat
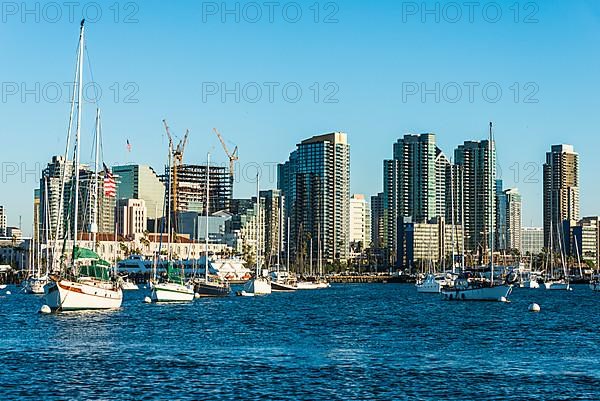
87	283
259	285
551	282
281	279
35	283
210	286
470	288
173	286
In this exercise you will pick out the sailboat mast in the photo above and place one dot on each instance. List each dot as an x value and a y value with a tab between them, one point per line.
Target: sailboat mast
452	216
94	224
310	271
462	219
287	245
319	250
257	225
78	137
280	234
206	214
169	168
46	225
491	178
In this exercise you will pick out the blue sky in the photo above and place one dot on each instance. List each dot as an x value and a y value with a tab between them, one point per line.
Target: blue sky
374	62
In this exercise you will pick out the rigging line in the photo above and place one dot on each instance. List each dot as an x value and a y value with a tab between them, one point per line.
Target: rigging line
96	99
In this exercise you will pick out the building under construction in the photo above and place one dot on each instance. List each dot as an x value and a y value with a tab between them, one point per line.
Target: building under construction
190	182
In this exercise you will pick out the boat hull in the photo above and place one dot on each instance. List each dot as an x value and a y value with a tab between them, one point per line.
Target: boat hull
259	286
212	290
35	285
495	293
68	295
307	285
282	287
129	286
557	286
171	292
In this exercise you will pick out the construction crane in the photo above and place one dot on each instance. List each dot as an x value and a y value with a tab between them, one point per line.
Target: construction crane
177	157
233	157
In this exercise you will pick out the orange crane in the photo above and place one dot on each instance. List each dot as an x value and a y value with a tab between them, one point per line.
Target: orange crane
233	157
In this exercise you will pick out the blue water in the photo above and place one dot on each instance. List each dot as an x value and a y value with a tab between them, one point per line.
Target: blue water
351	342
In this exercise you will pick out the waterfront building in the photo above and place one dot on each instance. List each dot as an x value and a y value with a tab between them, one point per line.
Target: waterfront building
53	174
561	193
532	240
428	245
377	226
316	184
37	227
242	229
587	240
141	182
106	203
501	217
273	201
2	221
391	206
131	217
513	218
360	223
477	161
416	185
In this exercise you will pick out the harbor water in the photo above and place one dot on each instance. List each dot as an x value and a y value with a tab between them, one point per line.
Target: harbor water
349	342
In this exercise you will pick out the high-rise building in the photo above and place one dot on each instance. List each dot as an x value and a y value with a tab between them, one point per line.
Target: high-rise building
587	240
142	182
532	240
243	228
477	161
274	239
391	206
501	217
190	181
443	177
52	180
105	204
316	184
377	219
513	218
2	221
415	185
561	193
131	217
360	222
417	156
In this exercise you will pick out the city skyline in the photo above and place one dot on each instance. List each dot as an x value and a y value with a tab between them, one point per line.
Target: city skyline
523	130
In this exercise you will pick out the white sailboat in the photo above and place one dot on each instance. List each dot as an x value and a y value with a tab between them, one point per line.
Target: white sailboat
260	284
173	287
551	282
87	284
281	279
469	288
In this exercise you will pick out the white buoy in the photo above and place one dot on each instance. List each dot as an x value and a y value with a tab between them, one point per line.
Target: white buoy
196	295
8	292
147	300
502	299
45	309
534	308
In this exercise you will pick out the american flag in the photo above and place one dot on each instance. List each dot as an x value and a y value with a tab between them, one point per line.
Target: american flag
110	186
